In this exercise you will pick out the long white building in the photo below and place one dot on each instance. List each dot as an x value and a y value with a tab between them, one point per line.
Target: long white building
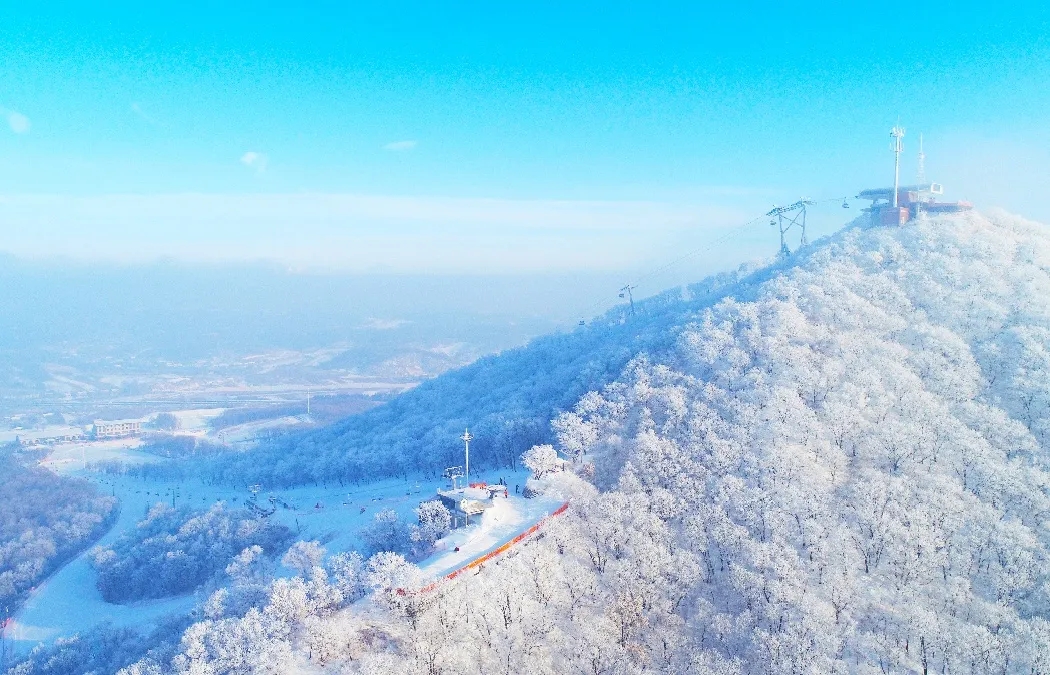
116	428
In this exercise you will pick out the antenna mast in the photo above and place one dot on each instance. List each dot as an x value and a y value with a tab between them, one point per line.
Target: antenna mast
922	163
898	146
467	438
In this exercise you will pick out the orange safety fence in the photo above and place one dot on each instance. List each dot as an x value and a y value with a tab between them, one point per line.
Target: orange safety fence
476	562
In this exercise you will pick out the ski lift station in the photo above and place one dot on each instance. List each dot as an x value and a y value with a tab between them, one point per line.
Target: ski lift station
899	204
911	202
472	500
462	503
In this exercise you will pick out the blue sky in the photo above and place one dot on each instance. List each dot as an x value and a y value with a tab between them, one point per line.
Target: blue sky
438	136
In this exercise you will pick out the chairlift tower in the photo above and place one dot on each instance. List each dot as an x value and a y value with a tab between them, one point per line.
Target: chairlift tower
453	473
626	292
467	438
787	218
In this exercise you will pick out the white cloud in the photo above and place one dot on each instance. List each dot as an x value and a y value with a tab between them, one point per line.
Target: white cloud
18	122
400	146
385	324
254	160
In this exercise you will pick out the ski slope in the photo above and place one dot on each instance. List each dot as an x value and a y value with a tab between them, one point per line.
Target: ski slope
68	602
507	519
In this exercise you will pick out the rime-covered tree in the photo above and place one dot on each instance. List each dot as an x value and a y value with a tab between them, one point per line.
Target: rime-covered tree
386	532
540	459
434	523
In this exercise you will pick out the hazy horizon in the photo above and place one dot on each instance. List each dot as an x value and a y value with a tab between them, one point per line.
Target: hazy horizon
417	139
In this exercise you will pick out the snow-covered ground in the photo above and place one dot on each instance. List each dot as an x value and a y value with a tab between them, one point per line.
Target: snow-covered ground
197	423
249	432
73	458
48	432
196	419
505	520
68	602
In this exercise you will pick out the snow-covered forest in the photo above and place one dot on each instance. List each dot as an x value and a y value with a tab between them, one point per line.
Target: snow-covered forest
834	464
44	520
174	551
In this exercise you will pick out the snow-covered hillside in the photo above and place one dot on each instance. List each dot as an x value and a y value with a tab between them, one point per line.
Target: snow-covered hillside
507	400
836	465
854	461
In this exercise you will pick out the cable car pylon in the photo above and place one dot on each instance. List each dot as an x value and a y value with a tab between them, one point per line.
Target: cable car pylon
790	217
626	291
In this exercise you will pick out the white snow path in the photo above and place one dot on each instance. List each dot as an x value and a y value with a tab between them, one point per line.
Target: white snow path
499	524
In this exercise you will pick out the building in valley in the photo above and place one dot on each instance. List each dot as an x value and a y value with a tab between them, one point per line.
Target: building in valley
116	428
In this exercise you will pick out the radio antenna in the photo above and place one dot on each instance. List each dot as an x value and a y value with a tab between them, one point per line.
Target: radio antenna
898	146
467	438
922	163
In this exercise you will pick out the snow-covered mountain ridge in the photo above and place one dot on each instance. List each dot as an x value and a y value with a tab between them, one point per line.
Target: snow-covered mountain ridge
839	466
508	399
857	456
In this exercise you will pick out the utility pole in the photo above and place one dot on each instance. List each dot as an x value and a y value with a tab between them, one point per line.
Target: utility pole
626	290
467	438
898	146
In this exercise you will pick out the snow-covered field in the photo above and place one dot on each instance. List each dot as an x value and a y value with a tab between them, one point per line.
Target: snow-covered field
247	433
73	458
47	432
68	602
196	420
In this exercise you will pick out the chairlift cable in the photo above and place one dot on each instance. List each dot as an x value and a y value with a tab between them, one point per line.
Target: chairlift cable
732	232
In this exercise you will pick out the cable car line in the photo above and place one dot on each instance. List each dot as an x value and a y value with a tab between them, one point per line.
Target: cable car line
625	292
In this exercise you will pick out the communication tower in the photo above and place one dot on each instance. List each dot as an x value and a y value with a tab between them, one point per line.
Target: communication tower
922	163
467	438
897	133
